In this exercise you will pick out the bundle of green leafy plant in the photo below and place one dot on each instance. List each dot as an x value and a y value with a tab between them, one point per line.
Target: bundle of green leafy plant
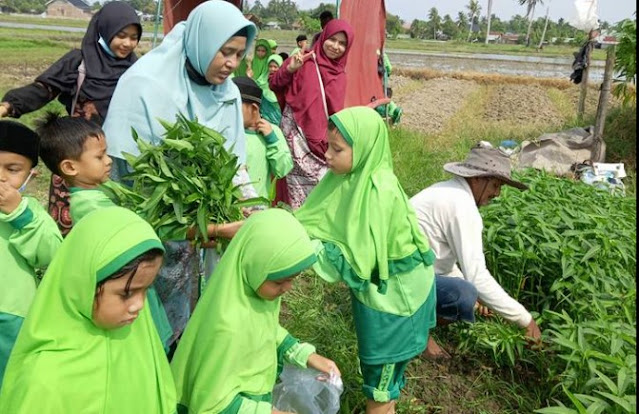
568	251
183	182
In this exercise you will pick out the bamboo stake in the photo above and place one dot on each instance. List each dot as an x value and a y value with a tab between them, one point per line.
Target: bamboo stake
583	93
602	108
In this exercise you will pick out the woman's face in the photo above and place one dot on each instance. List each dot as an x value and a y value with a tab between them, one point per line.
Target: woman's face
125	41
273	67
335	46
260	52
226	60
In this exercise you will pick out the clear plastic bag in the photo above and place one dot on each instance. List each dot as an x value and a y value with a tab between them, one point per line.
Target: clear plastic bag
307	391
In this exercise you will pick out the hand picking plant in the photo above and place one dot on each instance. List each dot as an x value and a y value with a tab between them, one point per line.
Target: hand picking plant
186	181
568	251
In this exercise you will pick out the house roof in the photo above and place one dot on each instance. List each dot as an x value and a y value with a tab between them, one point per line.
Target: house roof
80	4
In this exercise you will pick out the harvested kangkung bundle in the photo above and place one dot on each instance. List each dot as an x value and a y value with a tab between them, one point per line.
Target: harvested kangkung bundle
185	181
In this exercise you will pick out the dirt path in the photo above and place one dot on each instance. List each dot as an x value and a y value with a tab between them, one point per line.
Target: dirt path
428	105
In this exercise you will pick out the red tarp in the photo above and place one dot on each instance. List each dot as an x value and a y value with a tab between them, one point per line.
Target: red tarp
177	10
368	18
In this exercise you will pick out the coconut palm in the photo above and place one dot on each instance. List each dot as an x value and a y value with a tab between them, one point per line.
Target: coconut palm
530	14
473	11
543	35
435	20
490	16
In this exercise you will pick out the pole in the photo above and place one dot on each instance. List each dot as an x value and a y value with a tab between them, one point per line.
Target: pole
337	5
602	108
158	11
583	93
490	11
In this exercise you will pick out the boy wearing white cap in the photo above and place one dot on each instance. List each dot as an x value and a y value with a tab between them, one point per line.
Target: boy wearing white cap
448	213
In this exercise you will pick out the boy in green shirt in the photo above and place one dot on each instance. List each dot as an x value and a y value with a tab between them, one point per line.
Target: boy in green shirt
29	238
267	154
75	149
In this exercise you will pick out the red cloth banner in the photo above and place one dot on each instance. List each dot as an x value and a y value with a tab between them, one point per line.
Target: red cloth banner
174	11
368	19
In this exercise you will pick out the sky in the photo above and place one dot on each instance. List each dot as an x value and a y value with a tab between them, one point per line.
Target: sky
609	10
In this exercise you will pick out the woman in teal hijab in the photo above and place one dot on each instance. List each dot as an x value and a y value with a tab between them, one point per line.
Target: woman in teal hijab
227	359
88	344
189	74
367	235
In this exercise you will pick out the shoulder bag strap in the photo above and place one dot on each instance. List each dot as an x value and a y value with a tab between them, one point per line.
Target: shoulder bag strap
81	75
321	82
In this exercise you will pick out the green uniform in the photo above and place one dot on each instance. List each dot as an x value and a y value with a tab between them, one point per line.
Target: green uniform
29	238
227	359
84	201
367	236
267	157
62	362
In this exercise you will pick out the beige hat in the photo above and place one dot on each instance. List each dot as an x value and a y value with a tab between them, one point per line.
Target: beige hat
485	162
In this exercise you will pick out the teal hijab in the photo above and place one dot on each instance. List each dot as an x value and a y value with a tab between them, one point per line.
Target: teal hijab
229	346
158	85
364	218
62	362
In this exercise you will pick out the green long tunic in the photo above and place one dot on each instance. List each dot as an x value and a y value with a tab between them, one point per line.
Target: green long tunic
29	238
62	362
267	158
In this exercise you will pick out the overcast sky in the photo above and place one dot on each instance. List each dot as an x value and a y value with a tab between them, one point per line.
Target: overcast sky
610	10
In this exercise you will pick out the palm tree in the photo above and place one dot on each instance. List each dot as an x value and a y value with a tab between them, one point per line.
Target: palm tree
490	11
473	11
530	13
543	35
435	20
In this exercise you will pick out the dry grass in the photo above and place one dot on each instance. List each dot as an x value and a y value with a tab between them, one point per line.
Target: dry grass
486	78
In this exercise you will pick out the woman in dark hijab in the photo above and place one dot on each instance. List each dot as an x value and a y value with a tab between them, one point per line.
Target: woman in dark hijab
83	80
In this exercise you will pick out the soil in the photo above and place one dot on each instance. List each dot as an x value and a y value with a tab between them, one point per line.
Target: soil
428	105
524	104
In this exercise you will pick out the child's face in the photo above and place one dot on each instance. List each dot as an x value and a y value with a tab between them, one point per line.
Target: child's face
114	306
302	44
251	114
273	67
339	155
125	41
260	52
14	169
273	289
93	167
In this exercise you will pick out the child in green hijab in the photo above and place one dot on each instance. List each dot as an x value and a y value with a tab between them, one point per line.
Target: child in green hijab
89	344
367	236
227	359
29	238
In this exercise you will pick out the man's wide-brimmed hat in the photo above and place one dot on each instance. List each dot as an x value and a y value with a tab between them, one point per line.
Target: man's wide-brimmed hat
485	161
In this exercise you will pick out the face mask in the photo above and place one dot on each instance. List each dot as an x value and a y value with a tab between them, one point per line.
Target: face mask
24	185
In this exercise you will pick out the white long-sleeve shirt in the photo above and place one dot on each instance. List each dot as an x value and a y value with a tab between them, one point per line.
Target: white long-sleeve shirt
449	217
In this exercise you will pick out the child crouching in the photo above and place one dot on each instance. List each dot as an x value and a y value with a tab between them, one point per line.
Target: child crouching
29	238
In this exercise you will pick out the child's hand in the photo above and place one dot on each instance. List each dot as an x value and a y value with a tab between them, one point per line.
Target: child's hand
323	364
225	230
10	198
264	127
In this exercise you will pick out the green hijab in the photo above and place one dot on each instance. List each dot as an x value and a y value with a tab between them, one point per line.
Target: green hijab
229	346
263	82
62	362
369	230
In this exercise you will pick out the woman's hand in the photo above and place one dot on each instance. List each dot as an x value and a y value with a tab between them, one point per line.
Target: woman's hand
298	61
224	230
323	364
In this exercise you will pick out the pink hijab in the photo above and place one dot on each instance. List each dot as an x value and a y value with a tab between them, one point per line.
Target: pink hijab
304	95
